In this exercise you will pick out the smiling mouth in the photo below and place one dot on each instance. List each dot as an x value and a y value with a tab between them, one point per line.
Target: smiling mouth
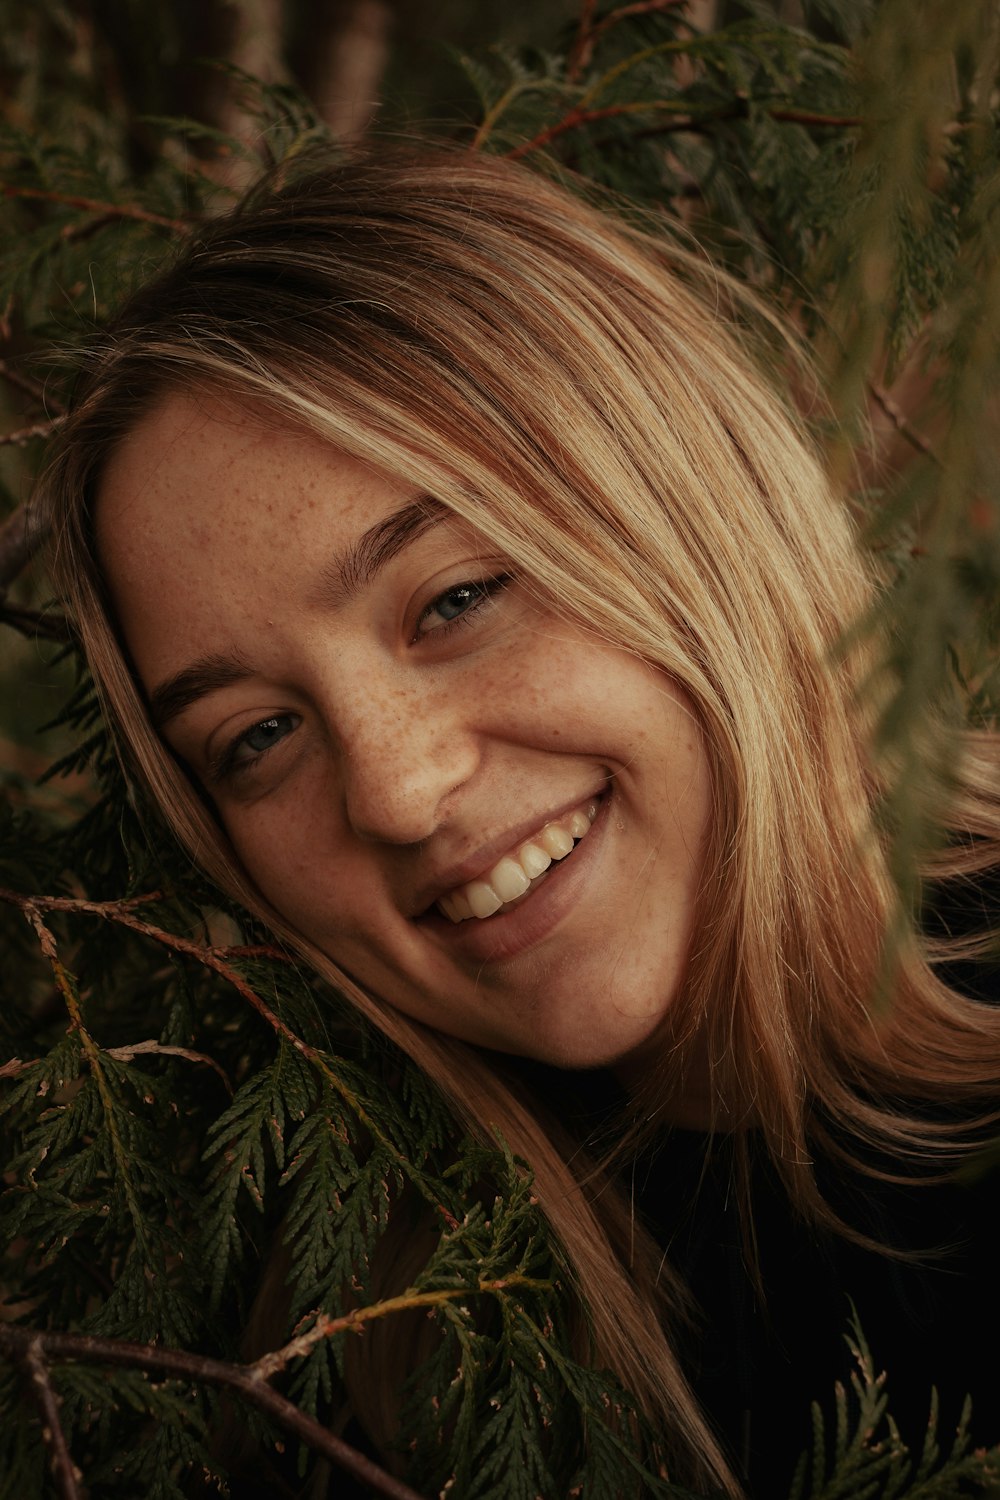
520	871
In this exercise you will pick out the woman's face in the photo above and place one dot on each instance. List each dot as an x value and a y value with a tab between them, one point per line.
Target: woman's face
399	738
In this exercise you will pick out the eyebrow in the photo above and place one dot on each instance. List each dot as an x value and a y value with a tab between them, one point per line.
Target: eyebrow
340	580
206	675
344	577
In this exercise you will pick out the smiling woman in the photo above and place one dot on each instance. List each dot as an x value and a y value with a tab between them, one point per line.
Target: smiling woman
468	603
396	736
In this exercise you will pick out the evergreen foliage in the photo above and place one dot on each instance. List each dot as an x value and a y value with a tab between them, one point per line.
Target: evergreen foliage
185	1112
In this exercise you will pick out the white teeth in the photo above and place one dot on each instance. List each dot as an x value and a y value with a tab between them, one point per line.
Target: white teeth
512	876
534	860
462	905
556	841
509	880
482	898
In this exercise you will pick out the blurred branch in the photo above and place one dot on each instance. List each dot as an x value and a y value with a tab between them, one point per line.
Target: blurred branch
36	430
21	535
30	387
683	119
121	913
19	1343
898	419
36	624
96	206
583	47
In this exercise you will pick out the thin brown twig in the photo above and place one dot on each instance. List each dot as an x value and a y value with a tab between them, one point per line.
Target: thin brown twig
588	32
154	1048
578	116
916	439
353	1321
97	206
211	958
583	46
197	1368
30	387
37	429
64	1471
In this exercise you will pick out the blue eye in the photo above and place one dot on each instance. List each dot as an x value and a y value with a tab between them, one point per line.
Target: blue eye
250	747
460	603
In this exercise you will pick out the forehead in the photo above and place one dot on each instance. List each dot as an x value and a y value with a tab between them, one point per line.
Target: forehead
195	465
206	508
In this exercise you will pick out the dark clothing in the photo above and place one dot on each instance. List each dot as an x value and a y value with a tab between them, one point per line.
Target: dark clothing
757	1366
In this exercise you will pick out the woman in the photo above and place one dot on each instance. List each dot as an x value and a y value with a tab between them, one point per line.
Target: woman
467	602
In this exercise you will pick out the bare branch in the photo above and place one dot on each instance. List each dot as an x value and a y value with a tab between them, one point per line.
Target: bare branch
21	535
898	419
352	1322
583	45
97	206
37	429
196	1368
160	1049
30	387
683	119
64	1471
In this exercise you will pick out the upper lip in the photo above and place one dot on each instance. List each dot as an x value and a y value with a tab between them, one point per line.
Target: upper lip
485	856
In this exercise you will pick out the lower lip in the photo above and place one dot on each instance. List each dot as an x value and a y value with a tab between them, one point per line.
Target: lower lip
491	939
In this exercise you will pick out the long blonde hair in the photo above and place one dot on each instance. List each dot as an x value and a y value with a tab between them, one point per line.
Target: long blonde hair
551	376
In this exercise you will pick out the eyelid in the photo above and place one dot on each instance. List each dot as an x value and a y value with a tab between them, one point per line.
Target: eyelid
223	765
485	591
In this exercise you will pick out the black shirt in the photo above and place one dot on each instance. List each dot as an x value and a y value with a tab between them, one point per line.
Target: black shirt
758	1362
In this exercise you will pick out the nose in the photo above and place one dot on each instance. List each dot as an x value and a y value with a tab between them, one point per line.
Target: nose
406	750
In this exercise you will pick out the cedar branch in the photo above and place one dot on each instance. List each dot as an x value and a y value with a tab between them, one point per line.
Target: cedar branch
583	45
214	958
196	1368
326	1327
64	1472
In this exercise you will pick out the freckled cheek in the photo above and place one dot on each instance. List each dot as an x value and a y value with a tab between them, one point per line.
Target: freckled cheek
298	861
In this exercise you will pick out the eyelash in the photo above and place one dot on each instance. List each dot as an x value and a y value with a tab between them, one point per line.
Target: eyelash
482	591
226	767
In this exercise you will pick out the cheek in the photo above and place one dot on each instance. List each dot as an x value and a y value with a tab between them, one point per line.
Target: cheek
296	858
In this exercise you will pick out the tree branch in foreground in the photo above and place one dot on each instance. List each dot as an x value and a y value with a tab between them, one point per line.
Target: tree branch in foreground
64	1471
45	1348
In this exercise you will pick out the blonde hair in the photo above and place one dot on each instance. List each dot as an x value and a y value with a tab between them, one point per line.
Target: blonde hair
550	376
